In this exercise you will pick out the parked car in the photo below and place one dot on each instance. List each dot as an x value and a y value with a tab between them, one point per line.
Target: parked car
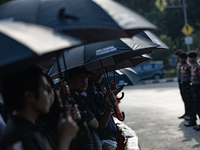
122	76
150	70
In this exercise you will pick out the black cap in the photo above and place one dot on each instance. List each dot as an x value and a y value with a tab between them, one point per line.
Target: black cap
178	51
192	54
79	70
182	55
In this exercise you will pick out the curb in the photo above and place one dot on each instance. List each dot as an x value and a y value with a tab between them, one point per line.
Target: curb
160	81
130	137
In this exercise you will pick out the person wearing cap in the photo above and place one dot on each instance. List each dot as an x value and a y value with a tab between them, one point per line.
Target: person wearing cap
185	83
78	84
178	73
195	79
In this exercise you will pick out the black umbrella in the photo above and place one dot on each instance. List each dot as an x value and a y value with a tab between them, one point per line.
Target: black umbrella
99	55
109	52
149	36
132	62
122	76
128	19
24	44
89	20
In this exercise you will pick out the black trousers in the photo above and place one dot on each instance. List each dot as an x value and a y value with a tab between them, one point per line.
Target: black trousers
196	98
182	96
188	100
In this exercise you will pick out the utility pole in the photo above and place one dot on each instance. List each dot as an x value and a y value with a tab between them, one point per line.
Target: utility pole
185	18
187	29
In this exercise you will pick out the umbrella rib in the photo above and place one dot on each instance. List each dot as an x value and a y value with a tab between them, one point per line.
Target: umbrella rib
114	73
66	72
104	74
61	77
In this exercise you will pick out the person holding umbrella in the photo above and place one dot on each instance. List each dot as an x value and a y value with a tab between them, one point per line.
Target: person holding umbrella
28	94
179	80
96	96
78	84
83	139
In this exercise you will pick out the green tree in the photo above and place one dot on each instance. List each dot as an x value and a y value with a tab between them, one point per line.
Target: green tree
170	23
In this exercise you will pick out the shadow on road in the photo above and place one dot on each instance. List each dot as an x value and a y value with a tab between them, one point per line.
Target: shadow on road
190	134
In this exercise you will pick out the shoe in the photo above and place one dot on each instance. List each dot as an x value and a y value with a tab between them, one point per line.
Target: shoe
189	124
181	117
187	118
197	128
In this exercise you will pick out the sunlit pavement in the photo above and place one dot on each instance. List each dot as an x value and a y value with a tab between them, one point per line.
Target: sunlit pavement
152	111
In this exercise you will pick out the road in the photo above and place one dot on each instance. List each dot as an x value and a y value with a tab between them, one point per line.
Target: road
152	111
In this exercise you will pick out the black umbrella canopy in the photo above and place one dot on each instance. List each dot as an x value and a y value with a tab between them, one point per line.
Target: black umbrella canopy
132	62
22	45
149	36
122	76
125	17
91	21
139	46
131	74
108	52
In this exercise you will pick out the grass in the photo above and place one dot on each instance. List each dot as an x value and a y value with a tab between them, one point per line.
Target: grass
170	73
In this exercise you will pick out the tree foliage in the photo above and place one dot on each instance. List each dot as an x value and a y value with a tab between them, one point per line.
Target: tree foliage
170	23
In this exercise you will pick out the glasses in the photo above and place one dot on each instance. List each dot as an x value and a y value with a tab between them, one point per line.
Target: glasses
48	89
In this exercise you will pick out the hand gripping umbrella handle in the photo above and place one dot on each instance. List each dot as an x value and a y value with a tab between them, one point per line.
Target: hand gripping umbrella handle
123	115
120	97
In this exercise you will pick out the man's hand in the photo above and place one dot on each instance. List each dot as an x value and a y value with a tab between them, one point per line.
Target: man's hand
76	116
113	85
63	91
115	92
114	88
67	126
110	99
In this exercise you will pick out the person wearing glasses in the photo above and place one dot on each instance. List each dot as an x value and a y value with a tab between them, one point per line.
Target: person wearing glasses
28	94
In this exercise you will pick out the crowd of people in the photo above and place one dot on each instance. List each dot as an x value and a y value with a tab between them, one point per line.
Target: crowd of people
188	74
76	115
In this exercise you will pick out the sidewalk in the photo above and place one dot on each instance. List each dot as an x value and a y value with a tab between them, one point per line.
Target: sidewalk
157	81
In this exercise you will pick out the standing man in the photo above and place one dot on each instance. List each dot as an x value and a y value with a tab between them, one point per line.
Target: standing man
195	79
185	83
179	80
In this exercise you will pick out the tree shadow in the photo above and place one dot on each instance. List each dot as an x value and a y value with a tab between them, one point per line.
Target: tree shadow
190	134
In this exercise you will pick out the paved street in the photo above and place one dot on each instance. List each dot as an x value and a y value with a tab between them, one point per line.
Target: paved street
152	111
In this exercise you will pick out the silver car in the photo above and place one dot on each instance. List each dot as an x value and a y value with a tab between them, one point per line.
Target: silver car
150	70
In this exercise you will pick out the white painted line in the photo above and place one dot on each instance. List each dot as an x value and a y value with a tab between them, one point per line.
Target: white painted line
162	80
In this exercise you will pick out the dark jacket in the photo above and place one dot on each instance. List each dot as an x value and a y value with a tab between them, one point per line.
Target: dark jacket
84	105
98	100
36	136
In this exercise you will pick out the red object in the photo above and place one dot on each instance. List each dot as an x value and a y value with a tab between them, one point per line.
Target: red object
120	140
118	110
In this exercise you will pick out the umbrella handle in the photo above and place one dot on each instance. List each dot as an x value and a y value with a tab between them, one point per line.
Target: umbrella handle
123	115
120	97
